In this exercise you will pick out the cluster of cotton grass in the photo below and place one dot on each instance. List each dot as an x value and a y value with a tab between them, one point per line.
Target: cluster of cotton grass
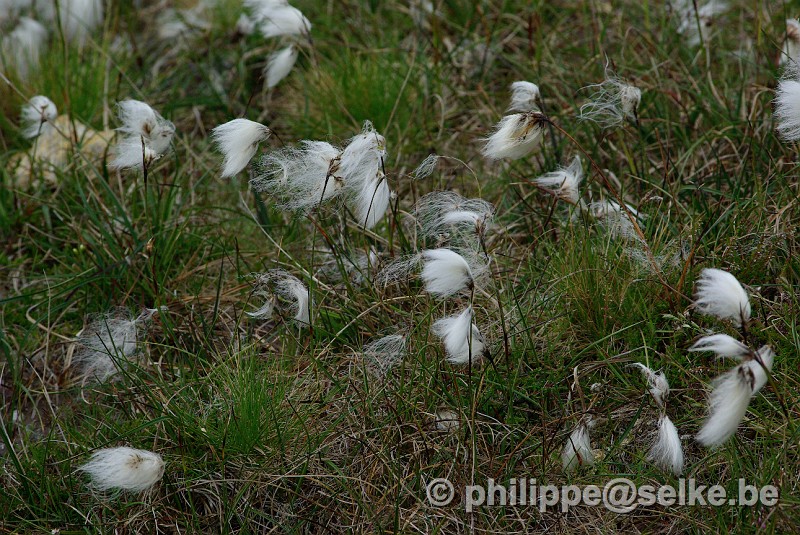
28	24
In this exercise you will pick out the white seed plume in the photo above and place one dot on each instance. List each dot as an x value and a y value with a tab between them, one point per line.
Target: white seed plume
612	102
656	382
372	202
719	294
445	272
302	177
146	135
448	213
615	219
109	343
280	64
696	24
667	452
37	116
564	182
22	47
462	340
124	468
722	345
524	97
384	354
426	168
280	19
280	287
361	169
515	136
731	396
245	25
79	18
238	140
791	45
787	104
578	448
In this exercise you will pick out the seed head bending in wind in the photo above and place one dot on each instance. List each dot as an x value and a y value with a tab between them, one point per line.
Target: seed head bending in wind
37	116
462	340
515	136
281	288
612	102
280	64
722	345
719	294
667	451
302	178
278	18
22	47
578	448
107	345
787	103
124	469
361	168
615	219
448	214
238	140
146	135
445	272
730	397
524	97
656	382
564	182
383	354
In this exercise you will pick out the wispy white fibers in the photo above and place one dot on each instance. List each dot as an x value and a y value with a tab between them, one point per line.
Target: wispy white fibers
281	288
719	294
37	116
667	452
125	469
427	167
448	214
578	448
302	178
341	263
722	345
238	140
791	45
515	136
787	103
146	135
731	396
383	354
22	47
656	382
564	182
280	64
107	344
695	24
612	102
79	18
361	168
462	340
615	219
524	97
445	272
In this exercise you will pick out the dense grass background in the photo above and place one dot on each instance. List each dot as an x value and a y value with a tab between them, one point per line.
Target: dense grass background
266	427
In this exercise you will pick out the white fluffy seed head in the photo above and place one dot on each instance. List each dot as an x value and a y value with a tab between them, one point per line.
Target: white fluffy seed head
131	153
23	46
731	396
698	23
612	102
565	182
515	136
448	215
280	64
719	294
463	342
362	158
371	202
279	19
578	448
37	115
124	469
656	382
238	141
524	97
615	219
426	168
722	345
445	272
667	452
791	45
787	104
282	289
79	18
140	120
